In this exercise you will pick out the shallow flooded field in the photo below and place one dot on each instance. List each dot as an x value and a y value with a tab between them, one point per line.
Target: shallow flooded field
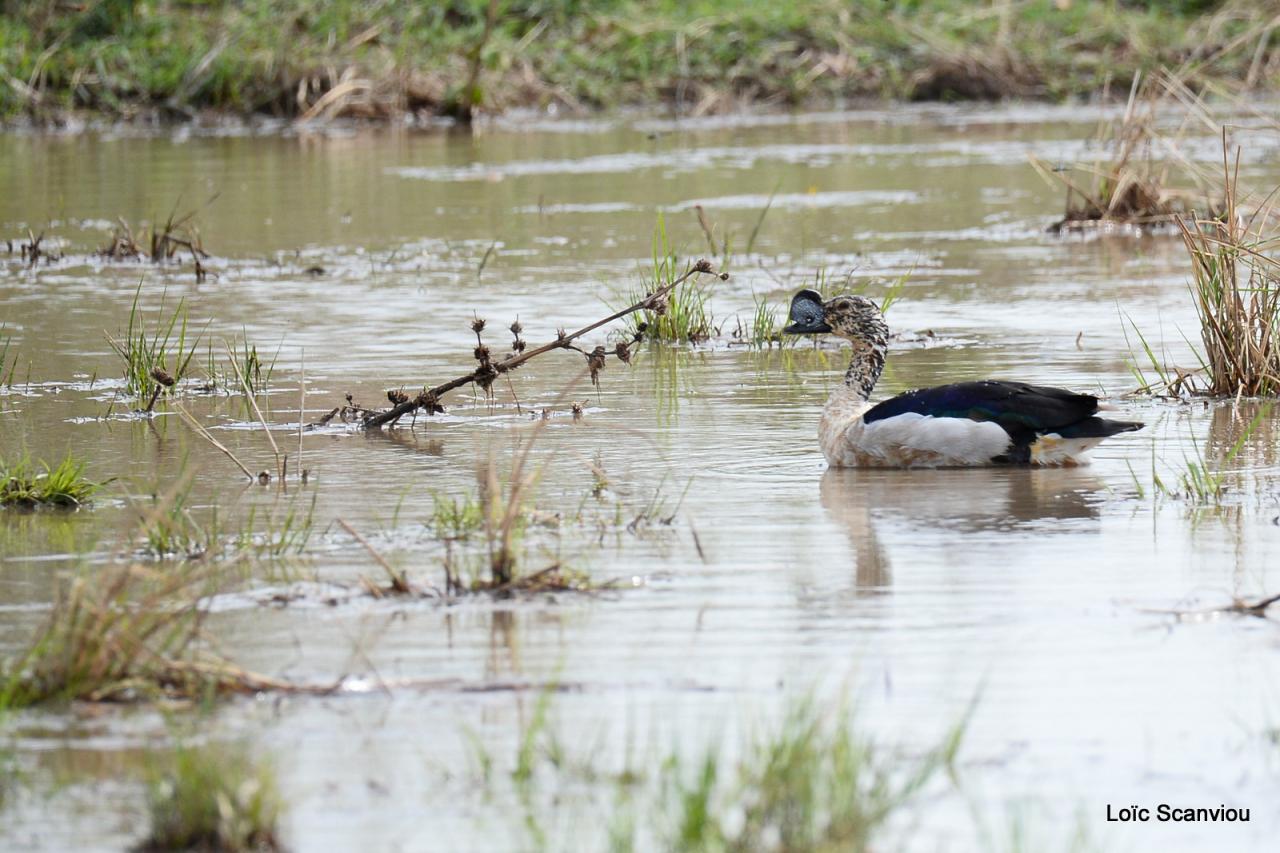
1066	618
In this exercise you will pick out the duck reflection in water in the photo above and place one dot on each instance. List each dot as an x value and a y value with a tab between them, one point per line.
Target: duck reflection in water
970	501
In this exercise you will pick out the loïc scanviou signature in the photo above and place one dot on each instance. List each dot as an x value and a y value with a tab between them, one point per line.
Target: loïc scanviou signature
1166	813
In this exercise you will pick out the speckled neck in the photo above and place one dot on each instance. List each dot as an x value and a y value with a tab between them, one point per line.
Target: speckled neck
866	365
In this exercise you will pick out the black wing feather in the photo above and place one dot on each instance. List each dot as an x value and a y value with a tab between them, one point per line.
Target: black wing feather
1022	410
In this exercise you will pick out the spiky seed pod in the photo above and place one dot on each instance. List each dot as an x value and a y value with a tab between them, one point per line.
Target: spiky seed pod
724	276
623	352
517	345
658	304
702	265
516	328
595	362
397	397
163	378
428	403
477	325
482	354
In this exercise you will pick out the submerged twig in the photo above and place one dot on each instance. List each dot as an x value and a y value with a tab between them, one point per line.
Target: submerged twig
399	582
489	370
302	412
248	393
207	436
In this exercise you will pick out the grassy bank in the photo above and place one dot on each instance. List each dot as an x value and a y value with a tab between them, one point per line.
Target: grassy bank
384	58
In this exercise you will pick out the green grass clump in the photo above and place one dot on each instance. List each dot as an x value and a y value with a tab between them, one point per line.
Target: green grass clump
282	532
814	783
168	529
456	519
27	486
245	370
154	363
212	798
1200	483
124	632
764	329
684	315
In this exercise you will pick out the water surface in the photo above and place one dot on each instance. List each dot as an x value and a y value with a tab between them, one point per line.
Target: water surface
1038	599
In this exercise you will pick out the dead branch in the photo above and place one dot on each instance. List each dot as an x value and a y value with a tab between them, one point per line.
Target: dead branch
489	370
1238	606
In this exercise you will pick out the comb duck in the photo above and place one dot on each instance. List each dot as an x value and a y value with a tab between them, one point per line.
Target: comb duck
965	424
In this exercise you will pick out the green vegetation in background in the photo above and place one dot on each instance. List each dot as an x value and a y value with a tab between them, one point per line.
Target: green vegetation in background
380	58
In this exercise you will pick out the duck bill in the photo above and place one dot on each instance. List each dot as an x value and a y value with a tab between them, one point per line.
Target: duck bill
806	315
807	327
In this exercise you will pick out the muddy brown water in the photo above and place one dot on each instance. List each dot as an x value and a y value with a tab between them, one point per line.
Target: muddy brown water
1034	597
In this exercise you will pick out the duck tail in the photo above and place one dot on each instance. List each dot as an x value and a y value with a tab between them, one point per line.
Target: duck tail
1098	428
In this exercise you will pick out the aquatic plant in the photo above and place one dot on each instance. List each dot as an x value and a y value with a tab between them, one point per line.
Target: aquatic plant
166	527
810	781
1200	484
1235	286
6	342
281	533
34	249
213	798
245	370
764	330
455	518
24	485
154	363
159	244
1131	183
657	510
759	223
683	313
123	632
814	783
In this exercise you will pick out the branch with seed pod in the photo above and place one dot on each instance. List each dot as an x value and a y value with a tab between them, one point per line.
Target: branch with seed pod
488	369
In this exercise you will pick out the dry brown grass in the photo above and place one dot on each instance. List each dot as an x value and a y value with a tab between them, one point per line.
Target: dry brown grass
127	632
1141	178
1236	284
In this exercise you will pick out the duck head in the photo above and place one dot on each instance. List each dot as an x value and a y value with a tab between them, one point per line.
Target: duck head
854	318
